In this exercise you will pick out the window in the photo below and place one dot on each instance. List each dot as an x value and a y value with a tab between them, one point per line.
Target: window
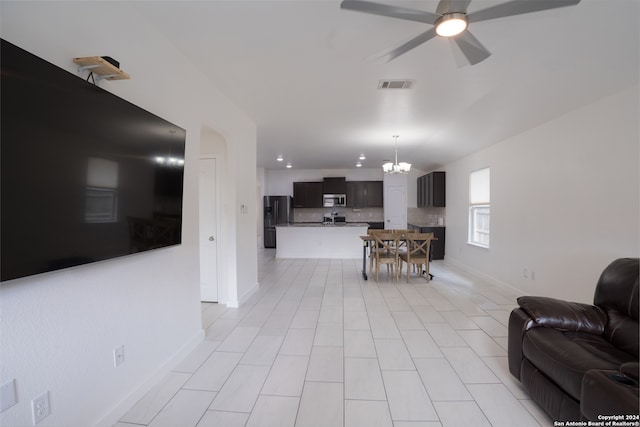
479	207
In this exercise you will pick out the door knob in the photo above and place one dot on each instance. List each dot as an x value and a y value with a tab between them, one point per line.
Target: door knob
211	239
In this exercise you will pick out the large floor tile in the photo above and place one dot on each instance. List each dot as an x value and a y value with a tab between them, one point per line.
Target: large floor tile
356	320
461	414
149	406
298	342
239	339
359	344
329	334
393	355
305	319
458	320
440	380
274	411
185	409
214	371
241	390
444	335
383	326
286	377
197	357
408	399
482	344
420	344
326	364
223	419
363	380
262	351
407	321
491	326
321	405
500	406
470	368
364	413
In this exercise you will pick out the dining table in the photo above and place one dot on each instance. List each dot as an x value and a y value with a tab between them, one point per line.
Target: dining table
366	240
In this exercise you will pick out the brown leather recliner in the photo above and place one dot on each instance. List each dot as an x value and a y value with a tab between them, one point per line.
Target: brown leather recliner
580	361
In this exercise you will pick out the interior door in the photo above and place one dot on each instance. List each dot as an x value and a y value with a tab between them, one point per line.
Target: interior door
208	235
395	201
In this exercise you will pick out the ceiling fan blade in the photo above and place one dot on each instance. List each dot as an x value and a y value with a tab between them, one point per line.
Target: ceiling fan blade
404	48
517	7
452	6
390	11
471	47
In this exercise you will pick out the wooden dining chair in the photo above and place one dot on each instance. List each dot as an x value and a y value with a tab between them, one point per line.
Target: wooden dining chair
386	252
417	253
373	247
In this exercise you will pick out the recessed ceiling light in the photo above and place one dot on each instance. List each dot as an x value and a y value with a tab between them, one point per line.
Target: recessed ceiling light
362	157
289	166
359	165
280	158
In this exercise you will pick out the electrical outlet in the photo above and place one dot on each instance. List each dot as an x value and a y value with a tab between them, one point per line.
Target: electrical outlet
118	356
40	408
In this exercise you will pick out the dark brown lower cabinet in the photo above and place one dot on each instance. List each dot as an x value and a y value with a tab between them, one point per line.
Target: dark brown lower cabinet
437	246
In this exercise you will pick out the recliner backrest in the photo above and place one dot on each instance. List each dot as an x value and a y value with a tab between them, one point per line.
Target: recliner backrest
617	294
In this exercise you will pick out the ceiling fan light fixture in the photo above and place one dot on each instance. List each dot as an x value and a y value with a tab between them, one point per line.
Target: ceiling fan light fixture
451	24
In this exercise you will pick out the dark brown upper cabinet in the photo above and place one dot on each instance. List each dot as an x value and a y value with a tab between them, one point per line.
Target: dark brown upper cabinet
432	190
307	194
335	185
365	194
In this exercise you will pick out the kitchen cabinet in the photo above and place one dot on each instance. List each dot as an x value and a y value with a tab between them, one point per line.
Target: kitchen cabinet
374	196
437	246
432	190
307	194
355	194
334	185
365	194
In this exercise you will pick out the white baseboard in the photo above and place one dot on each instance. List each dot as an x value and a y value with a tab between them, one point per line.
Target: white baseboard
235	303
482	274
113	415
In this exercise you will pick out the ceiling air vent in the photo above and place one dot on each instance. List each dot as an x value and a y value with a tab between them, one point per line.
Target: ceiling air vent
395	84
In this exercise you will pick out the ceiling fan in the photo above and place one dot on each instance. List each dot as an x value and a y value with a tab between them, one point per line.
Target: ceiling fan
451	20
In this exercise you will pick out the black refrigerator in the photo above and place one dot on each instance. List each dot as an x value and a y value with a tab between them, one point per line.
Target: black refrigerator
277	210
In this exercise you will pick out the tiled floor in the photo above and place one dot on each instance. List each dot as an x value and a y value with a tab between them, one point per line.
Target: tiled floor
319	346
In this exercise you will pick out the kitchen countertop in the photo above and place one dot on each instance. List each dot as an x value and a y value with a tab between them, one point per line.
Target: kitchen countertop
425	224
319	224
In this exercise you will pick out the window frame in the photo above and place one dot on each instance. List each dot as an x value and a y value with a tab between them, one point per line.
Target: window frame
479	227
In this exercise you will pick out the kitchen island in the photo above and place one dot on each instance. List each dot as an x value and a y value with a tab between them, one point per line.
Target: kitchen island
316	240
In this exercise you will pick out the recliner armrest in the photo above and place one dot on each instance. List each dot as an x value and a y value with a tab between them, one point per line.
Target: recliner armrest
564	315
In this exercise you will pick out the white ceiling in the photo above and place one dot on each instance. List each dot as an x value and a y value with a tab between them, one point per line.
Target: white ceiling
300	70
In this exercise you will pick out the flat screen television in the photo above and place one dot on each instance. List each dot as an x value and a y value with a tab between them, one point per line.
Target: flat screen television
85	175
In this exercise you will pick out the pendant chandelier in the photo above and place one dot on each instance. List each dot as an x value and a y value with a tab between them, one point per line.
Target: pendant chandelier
396	167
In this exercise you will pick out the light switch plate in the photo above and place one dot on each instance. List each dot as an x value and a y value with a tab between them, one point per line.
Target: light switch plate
8	395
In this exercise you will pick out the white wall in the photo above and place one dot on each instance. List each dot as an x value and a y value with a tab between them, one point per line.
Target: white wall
59	329
564	200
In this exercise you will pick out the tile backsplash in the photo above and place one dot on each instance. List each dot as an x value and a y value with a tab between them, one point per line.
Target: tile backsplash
419	216
426	217
350	214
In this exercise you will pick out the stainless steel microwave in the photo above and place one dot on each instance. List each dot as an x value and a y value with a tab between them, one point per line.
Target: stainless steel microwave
334	200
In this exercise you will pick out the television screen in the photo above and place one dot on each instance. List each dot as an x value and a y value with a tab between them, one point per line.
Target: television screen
85	175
